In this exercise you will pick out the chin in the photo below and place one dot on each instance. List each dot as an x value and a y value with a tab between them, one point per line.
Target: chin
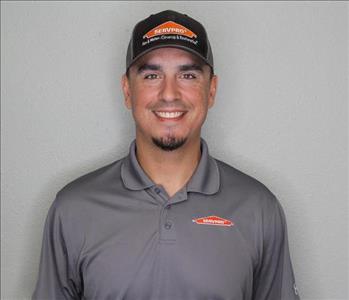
169	143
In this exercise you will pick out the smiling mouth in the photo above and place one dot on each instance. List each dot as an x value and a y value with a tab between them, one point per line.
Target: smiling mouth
169	115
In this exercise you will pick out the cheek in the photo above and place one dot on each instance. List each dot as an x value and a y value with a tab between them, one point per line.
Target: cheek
142	101
198	99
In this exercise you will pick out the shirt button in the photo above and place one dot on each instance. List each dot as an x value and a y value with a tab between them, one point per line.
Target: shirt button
157	190
168	225
168	206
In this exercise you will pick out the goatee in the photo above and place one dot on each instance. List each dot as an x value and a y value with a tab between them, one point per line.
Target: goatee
169	143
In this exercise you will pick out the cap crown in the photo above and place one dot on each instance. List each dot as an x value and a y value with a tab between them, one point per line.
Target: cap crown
169	29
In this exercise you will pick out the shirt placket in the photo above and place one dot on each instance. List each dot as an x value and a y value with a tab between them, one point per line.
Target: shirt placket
167	226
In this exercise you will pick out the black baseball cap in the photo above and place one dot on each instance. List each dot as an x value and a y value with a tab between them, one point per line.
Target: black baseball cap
169	29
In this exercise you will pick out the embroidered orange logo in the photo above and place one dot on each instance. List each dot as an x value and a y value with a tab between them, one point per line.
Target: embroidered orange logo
170	27
213	220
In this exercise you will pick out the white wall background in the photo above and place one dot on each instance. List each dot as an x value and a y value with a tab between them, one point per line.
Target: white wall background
280	116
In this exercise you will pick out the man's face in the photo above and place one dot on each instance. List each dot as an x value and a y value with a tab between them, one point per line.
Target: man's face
169	91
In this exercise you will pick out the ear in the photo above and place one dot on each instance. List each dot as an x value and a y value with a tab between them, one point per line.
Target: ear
125	84
213	90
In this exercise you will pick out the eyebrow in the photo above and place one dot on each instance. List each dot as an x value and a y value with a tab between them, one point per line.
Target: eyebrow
191	67
154	67
145	67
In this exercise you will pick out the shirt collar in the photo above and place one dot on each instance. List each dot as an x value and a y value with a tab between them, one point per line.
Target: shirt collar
204	180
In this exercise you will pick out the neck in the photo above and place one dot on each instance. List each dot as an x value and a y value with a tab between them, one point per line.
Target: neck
171	169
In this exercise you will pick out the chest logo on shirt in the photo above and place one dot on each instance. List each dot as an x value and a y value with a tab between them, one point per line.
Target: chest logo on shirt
213	220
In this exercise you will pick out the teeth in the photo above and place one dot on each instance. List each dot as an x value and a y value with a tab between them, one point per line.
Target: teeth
169	115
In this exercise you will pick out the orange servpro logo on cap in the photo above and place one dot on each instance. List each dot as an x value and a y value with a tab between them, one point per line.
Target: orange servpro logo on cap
169	27
213	220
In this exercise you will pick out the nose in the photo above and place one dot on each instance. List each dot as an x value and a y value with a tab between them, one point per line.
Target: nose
169	90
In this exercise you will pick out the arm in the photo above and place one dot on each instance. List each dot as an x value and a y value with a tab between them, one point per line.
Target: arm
57	278
274	277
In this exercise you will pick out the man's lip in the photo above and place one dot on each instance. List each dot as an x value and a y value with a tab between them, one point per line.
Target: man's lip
169	111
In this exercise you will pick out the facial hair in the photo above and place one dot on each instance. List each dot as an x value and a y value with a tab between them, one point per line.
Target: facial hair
169	143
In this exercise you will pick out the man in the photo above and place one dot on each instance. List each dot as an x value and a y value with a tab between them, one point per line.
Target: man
168	221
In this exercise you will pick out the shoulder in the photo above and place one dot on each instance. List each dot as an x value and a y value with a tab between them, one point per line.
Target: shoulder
233	178
239	186
70	196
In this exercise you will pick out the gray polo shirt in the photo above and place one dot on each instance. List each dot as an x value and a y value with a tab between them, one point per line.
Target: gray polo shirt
115	234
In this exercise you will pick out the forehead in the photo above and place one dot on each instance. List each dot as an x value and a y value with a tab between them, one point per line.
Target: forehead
169	56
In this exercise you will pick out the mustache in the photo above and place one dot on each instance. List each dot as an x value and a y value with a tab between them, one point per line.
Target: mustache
174	105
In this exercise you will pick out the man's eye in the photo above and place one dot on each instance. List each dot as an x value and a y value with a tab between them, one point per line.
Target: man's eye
189	76
151	76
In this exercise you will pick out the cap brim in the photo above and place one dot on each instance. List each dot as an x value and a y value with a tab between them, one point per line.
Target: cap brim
169	46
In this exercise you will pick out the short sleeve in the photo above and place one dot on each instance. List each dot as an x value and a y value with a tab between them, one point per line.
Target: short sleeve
274	277
56	279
